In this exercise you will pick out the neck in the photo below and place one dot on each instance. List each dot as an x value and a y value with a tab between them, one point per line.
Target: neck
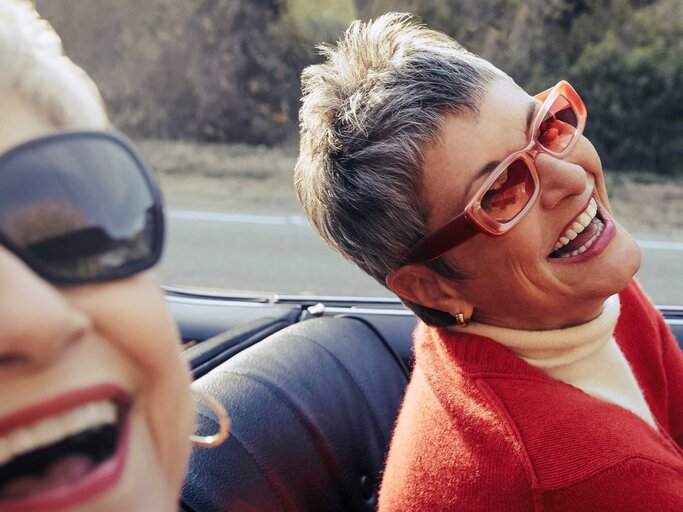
543	321
555	347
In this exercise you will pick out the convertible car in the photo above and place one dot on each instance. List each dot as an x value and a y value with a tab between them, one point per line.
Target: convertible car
313	386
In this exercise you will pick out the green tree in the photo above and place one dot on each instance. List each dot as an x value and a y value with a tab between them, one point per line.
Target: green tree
228	70
635	78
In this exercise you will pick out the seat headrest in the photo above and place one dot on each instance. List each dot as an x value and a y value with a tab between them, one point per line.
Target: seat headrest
312	408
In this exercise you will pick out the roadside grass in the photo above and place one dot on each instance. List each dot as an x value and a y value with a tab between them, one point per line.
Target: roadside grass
617	179
647	204
224	177
258	179
241	161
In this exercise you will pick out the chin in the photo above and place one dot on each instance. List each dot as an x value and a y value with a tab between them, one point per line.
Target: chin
605	267
621	262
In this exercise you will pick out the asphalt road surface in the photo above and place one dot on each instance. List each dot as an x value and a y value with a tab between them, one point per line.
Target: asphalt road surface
281	253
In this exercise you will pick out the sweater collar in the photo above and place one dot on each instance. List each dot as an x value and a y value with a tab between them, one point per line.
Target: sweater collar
476	352
552	349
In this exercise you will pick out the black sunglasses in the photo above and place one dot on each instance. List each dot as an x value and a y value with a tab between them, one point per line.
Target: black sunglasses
80	207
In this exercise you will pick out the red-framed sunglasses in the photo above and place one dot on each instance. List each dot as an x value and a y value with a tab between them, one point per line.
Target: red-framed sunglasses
513	186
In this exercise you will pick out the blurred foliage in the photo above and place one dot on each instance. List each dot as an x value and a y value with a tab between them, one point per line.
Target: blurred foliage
634	73
228	70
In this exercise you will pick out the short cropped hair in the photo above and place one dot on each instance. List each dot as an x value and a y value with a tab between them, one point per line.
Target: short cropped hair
368	114
34	66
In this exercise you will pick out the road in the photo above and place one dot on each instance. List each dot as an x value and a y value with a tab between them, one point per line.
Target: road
281	253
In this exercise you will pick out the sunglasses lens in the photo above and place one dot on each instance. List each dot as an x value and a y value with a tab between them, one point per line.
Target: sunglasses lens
559	126
79	210
510	193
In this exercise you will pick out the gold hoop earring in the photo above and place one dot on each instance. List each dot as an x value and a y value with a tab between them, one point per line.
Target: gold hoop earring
223	422
460	320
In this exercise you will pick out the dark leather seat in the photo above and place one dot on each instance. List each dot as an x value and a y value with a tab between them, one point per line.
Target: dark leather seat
313	407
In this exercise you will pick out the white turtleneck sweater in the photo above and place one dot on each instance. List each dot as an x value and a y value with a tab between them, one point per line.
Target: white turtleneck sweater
586	356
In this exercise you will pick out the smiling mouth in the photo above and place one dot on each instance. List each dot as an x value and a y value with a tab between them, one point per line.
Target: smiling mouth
63	458
581	234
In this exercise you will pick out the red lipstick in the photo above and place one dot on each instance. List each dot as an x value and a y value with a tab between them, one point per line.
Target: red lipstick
100	478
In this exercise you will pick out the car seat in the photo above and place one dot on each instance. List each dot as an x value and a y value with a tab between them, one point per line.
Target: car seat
312	408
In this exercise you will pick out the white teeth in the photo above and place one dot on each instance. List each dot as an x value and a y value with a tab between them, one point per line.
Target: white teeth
587	245
580	223
20	441
585	219
51	430
592	208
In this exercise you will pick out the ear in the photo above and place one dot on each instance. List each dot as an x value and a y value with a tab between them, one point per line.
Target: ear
421	285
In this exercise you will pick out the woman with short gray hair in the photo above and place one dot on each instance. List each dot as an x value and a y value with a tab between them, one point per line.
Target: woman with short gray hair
544	378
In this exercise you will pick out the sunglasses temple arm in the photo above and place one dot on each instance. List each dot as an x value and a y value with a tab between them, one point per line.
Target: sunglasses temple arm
443	240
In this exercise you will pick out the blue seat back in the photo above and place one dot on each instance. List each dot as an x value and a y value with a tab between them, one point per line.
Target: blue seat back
313	408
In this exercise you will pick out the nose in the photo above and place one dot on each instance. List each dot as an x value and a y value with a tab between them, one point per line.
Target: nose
38	323
559	179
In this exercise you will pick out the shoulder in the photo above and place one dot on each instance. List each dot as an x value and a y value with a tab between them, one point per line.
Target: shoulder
481	430
639	321
647	344
639	316
454	452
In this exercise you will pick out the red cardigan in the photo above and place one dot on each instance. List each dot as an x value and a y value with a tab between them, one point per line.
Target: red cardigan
481	430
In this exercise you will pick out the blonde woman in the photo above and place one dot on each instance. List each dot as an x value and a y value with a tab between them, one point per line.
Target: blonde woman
95	405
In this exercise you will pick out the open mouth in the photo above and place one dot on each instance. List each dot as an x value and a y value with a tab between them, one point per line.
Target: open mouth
581	234
63	458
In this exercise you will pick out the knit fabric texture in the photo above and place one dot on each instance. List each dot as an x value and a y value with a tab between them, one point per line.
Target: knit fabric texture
586	356
482	430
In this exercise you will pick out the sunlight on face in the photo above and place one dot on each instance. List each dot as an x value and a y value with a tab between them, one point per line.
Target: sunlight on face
515	281
99	361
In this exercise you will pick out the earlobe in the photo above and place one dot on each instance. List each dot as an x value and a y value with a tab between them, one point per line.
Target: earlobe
421	285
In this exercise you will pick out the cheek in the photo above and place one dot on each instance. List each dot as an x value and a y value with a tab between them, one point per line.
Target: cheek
132	317
170	418
164	386
505	266
498	257
587	157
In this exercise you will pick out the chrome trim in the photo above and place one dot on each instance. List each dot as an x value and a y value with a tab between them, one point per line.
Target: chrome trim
672	307
367	311
333	304
204	301
276	298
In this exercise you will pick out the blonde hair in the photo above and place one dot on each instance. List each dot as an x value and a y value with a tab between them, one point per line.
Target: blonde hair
35	67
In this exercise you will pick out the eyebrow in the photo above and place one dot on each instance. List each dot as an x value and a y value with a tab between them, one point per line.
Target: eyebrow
532	110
